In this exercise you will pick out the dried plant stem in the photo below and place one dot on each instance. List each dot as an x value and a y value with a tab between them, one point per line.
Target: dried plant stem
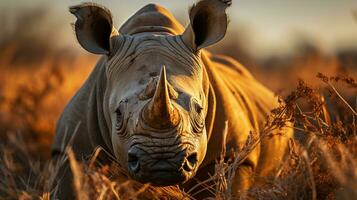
77	175
354	121
310	173
344	101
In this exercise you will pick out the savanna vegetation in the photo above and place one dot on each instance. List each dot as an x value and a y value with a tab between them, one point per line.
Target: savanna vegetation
319	92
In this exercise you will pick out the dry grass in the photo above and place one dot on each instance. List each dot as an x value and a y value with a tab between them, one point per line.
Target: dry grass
320	165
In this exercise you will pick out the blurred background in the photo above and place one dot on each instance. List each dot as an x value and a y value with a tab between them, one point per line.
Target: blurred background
279	41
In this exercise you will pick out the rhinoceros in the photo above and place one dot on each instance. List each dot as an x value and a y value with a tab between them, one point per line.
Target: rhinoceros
158	102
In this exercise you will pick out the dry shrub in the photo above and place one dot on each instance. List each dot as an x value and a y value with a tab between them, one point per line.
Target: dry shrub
37	78
322	161
32	100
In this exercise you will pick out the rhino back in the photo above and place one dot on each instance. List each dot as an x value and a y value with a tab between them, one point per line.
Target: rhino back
152	18
255	98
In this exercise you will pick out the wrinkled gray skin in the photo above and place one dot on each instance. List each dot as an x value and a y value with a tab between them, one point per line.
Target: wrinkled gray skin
158	102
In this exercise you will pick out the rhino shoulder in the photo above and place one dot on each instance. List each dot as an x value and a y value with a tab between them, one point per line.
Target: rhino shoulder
72	126
256	98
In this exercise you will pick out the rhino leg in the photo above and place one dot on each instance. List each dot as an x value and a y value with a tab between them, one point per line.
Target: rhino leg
242	181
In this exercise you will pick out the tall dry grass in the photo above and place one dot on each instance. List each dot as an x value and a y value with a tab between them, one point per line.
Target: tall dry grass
322	165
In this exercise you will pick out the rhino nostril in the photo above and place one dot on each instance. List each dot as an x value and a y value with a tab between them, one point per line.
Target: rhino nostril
192	159
133	163
190	162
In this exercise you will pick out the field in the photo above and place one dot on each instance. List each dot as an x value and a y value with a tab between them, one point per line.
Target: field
319	91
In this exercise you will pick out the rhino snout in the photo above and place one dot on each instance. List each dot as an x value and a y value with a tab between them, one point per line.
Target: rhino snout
161	168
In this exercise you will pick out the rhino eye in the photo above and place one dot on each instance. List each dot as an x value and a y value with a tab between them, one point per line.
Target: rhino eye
118	112
120	121
198	108
196	116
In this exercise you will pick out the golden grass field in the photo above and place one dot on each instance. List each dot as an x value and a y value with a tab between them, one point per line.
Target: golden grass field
320	92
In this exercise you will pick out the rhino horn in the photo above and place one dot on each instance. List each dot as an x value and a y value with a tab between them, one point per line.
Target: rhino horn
160	113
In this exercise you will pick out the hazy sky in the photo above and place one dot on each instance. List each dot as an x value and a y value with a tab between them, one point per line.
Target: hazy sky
273	24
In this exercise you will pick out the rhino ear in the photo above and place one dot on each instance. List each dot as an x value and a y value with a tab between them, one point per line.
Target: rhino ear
93	27
208	23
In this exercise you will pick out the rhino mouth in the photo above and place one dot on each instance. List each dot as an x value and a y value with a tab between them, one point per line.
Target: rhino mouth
162	168
163	176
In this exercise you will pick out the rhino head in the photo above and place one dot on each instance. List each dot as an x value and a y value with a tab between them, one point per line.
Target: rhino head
155	101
